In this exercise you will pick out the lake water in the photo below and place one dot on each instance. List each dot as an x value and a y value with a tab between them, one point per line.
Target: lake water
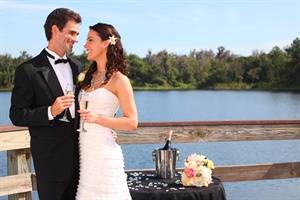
214	105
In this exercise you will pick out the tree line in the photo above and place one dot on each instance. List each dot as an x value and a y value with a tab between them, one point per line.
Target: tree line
278	69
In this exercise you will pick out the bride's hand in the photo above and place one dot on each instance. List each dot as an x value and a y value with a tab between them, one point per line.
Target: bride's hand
87	116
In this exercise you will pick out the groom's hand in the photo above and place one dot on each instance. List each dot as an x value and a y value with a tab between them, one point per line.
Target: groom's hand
61	103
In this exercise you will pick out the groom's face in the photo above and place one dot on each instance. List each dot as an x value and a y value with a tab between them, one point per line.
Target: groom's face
68	36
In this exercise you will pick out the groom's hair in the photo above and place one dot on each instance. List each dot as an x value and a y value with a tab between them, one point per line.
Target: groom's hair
60	17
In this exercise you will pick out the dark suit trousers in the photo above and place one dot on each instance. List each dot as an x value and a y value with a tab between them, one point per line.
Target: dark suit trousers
58	190
57	180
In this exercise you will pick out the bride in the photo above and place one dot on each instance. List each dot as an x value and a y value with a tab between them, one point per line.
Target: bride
102	175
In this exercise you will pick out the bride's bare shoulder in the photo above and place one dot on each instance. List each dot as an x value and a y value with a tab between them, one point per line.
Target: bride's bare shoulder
118	77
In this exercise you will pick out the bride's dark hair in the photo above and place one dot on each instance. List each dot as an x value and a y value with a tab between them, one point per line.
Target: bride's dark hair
116	60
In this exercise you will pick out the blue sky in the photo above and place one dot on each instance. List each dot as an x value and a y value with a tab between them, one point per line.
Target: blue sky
177	26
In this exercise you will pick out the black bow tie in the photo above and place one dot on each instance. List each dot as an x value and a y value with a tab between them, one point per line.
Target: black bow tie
60	60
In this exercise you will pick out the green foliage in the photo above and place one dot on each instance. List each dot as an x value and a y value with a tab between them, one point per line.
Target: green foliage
277	69
82	58
7	68
293	64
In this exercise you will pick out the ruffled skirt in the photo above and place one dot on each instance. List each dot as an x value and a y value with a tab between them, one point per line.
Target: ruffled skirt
102	175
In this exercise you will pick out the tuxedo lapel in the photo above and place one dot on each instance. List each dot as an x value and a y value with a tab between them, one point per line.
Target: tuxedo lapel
49	76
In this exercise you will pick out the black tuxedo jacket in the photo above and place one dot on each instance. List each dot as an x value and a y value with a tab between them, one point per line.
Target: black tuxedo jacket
54	144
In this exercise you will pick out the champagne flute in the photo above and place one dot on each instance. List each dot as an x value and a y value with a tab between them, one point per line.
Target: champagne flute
69	90
83	104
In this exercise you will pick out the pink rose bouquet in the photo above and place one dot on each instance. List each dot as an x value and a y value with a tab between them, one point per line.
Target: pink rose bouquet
197	171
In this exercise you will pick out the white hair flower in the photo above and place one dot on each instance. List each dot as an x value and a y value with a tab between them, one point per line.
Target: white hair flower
112	39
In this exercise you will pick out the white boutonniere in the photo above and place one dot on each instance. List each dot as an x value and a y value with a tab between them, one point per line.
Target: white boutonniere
81	77
112	40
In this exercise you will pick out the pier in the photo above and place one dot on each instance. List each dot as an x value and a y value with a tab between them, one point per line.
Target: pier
21	180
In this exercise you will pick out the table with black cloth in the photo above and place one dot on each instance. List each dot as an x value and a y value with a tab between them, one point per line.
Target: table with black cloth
147	186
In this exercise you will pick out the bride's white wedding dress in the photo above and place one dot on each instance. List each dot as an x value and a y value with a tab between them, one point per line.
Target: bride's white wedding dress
102	175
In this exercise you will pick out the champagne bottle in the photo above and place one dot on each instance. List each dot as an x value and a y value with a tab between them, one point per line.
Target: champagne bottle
168	142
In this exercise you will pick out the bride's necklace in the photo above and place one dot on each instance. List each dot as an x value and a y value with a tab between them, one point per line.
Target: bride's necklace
97	80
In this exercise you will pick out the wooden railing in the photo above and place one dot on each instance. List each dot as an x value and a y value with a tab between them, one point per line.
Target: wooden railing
21	181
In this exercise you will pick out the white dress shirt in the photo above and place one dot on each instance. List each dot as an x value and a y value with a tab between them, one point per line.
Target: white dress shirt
64	74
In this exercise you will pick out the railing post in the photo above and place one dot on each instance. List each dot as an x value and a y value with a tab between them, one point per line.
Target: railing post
18	162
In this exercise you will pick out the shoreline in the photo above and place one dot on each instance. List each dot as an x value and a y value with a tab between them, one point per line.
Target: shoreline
210	89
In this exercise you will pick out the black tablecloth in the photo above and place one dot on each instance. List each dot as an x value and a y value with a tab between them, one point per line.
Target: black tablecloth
147	186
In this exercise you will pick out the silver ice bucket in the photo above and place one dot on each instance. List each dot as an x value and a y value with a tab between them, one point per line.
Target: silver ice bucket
165	162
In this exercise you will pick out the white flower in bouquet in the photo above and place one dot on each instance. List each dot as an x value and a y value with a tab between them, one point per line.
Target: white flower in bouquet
197	171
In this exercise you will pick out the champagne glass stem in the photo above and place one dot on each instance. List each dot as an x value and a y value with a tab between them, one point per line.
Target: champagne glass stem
65	114
64	118
82	126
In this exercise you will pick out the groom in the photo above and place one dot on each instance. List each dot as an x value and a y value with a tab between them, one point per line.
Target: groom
38	101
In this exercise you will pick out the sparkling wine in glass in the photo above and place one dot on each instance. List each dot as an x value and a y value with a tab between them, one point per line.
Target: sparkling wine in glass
83	104
69	90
